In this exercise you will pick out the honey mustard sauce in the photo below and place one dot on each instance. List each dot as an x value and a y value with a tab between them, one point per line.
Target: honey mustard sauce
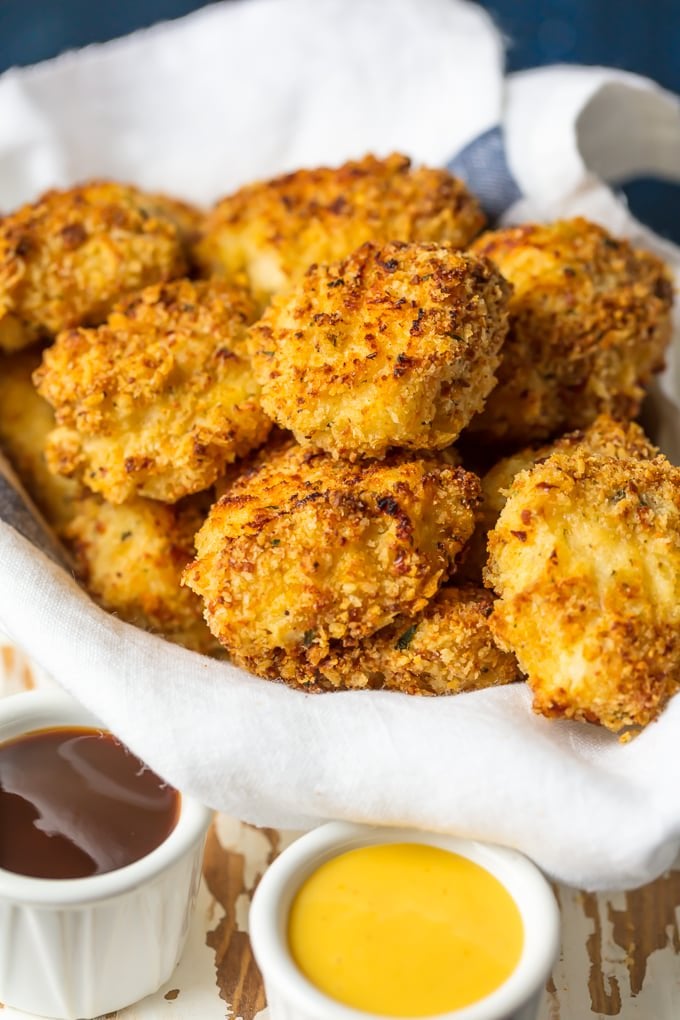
404	929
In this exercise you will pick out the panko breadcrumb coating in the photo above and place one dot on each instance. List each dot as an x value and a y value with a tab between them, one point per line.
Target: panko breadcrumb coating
269	233
309	550
244	468
66	258
187	218
25	423
395	346
605	437
589	324
586	560
446	649
131	557
158	400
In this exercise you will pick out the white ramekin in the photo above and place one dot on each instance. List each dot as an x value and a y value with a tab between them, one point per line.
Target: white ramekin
291	997
81	947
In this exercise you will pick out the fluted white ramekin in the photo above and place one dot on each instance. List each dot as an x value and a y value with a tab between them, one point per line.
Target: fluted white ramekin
291	996
77	948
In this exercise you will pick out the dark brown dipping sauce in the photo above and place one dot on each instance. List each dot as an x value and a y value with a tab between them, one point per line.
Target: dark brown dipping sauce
75	802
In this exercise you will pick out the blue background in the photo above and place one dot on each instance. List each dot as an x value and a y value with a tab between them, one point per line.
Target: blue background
638	35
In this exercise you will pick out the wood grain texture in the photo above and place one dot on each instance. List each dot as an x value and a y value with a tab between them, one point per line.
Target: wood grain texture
605	994
238	979
646	924
620	954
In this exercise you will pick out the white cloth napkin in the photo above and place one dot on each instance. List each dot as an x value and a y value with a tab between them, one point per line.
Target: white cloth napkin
247	89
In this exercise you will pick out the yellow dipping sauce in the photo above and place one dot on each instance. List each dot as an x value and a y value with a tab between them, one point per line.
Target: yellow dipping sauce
404	929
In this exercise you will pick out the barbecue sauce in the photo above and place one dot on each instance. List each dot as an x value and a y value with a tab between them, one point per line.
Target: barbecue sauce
75	802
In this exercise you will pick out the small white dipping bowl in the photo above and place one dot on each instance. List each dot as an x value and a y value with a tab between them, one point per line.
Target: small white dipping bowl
292	997
79	947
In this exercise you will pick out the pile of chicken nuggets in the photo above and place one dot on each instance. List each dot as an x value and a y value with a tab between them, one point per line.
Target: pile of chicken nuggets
333	431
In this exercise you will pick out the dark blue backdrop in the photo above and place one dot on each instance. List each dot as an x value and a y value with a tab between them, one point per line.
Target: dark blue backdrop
639	35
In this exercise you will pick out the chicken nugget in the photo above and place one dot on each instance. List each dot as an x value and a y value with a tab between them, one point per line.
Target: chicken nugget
395	346
268	234
447	648
26	420
308	550
66	258
158	400
130	559
605	437
586	560
589	324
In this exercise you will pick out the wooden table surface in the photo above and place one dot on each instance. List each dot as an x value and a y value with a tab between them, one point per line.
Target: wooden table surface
620	952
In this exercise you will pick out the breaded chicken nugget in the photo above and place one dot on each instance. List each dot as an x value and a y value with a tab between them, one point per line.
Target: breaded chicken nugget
308	550
66	258
395	346
586	560
589	324
25	423
446	649
268	234
160	399
606	437
131	557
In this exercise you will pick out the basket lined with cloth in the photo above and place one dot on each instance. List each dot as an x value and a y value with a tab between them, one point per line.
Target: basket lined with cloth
428	81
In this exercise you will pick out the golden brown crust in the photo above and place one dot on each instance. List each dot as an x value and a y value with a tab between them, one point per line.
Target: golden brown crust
25	423
394	346
308	550
589	324
606	437
447	648
269	233
586	560
130	558
187	218
160	399
66	258
245	467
